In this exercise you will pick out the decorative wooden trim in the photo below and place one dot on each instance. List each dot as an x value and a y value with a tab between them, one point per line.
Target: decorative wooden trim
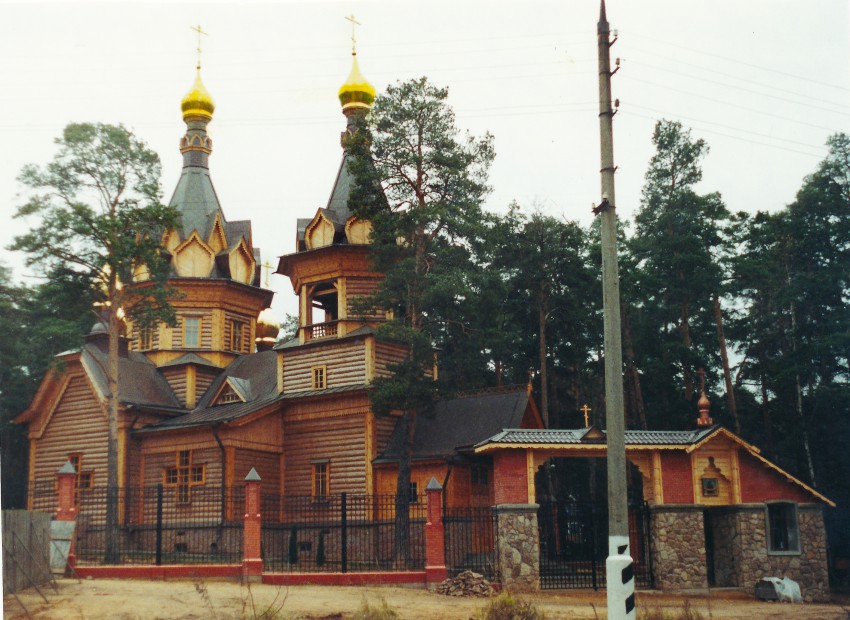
42	427
529	472
657	478
280	368
736	476
191	387
695	480
319	377
369	434
369	347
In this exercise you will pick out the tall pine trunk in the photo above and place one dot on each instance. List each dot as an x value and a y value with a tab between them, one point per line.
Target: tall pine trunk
111	552
724	356
631	370
685	331
542	307
401	547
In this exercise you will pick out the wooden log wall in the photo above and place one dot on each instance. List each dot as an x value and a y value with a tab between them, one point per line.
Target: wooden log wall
345	365
356	289
339	440
267	465
78	425
176	378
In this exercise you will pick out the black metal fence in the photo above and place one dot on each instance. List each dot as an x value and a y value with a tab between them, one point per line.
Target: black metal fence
340	533
574	544
157	524
470	541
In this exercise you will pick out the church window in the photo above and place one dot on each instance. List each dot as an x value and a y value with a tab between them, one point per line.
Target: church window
782	528
238	333
85	479
146	338
413	493
228	395
321	472
184	476
191	332
319	377
710	487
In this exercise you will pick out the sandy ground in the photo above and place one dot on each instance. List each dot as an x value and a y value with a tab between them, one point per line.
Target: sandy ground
131	600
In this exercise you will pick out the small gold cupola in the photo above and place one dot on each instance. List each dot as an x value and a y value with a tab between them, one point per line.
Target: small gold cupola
356	92
198	102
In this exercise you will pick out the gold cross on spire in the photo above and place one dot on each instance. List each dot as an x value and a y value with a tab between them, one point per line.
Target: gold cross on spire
200	32
267	267
586	411
354	24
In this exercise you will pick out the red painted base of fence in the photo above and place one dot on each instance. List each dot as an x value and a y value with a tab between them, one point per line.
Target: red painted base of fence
344	579
436	574
173	571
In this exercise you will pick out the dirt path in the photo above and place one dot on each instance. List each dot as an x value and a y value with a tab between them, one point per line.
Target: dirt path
109	599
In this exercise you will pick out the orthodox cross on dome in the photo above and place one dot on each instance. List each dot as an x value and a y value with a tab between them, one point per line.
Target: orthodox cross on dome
354	24
586	410
267	268
200	32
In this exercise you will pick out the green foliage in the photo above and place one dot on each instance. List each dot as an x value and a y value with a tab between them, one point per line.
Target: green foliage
99	213
293	545
382	611
506	607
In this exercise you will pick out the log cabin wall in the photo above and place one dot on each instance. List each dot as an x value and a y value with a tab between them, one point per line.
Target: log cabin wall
387	354
176	378
344	365
355	290
78	425
337	440
203	379
267	465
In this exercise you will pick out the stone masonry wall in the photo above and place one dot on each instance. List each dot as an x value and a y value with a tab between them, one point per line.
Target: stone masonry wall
678	547
518	547
808	568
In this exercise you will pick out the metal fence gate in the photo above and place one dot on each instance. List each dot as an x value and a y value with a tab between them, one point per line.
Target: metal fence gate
574	544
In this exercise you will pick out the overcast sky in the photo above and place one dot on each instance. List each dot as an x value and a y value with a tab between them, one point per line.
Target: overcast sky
763	82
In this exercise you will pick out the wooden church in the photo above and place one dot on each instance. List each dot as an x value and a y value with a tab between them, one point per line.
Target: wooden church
205	401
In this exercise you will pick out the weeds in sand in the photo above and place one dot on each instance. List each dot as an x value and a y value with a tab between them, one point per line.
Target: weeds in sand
201	589
685	613
272	611
506	607
367	611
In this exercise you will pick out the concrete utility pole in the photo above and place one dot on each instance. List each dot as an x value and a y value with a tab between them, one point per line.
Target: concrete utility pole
619	569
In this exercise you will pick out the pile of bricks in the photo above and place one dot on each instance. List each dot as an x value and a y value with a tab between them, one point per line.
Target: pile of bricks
466	583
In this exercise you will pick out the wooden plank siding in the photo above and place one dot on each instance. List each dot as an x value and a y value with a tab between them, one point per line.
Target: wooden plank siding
340	441
267	465
387	354
176	378
78	426
355	290
344	364
203	380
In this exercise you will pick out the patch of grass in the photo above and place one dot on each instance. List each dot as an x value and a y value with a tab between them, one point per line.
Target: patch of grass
367	611
506	607
272	611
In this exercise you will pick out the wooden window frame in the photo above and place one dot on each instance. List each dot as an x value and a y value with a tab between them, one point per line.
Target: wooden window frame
227	396
413	492
146	338
200	323
319	377
184	475
320	474
237	345
710	487
84	479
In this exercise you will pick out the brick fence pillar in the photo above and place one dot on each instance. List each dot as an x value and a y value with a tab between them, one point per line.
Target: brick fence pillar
62	530
435	550
252	561
518	536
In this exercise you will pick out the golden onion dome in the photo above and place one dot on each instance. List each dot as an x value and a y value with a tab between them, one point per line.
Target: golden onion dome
198	101
356	92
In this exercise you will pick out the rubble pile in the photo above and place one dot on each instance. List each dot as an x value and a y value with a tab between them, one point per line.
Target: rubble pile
466	583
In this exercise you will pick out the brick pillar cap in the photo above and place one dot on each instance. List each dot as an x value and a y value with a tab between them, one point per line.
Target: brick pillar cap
67	468
253	476
433	485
